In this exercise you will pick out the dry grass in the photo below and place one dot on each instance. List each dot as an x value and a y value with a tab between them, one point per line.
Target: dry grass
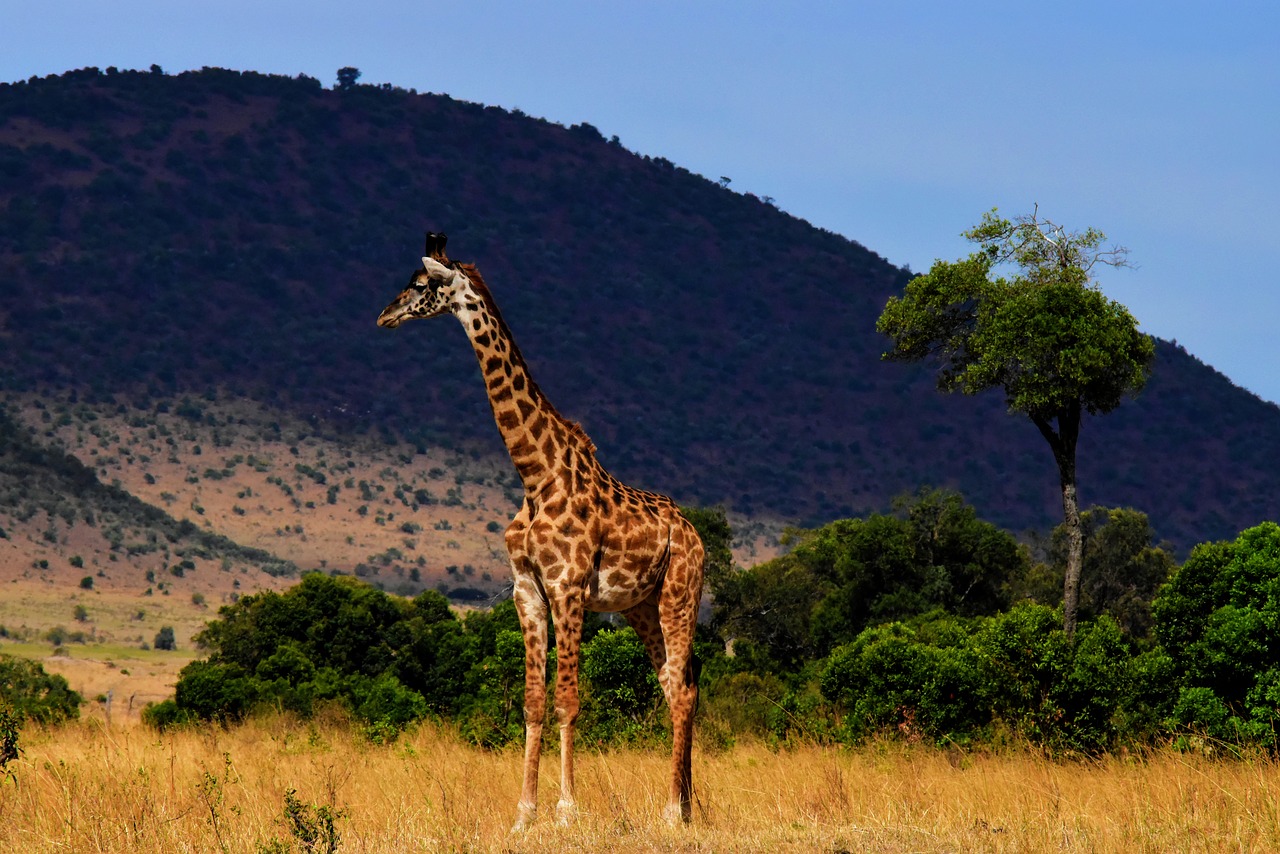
111	660
90	787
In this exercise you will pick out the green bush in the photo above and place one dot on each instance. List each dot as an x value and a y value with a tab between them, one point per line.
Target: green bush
961	679
32	694
1203	711
391	661
492	714
214	691
165	714
9	749
288	679
890	678
743	702
385	704
622	697
1152	691
1218	619
952	682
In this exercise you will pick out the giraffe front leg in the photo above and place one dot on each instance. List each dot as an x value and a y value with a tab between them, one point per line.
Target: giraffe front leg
531	608
567	609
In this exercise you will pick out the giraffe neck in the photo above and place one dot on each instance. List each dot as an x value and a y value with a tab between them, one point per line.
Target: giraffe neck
538	438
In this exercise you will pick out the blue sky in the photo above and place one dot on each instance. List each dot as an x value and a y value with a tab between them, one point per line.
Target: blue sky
896	124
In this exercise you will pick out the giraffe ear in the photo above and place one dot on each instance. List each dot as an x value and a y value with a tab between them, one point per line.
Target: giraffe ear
425	265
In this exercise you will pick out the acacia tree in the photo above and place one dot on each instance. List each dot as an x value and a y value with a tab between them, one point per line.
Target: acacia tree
1047	336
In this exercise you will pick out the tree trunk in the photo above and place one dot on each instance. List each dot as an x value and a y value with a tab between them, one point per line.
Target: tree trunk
1063	443
1075	548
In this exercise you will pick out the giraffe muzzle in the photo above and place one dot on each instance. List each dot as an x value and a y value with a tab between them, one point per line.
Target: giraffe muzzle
391	316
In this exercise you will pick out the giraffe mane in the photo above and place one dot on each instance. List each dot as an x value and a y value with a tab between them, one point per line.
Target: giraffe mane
573	427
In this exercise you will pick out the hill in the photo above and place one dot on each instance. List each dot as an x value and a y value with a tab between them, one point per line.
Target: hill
227	236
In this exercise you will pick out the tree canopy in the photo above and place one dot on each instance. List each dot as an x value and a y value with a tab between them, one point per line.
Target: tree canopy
1048	337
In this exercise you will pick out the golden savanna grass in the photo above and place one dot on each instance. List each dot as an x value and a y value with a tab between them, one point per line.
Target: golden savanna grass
90	787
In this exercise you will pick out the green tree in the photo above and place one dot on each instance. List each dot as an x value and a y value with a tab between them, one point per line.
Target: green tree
165	639
1048	337
347	77
932	553
765	613
1123	566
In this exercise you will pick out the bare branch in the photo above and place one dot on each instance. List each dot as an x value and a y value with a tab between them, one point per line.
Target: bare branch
1032	241
1116	256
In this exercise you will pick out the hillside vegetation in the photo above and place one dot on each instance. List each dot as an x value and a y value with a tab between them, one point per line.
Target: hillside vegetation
231	236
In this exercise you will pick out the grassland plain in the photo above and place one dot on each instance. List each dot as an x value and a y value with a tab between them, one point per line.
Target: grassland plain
93	787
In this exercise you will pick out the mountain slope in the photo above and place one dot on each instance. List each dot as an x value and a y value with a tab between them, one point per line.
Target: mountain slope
234	234
45	488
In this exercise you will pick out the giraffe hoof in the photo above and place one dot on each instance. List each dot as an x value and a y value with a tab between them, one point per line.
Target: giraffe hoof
524	817
566	813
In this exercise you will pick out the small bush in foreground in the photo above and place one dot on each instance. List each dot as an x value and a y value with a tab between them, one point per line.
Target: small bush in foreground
32	694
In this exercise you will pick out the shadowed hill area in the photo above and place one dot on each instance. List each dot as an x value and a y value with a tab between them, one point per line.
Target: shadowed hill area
43	483
228	233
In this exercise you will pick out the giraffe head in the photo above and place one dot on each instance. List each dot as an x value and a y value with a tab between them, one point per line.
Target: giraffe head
433	288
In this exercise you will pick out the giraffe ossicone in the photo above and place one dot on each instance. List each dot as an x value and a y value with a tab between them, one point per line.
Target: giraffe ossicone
582	540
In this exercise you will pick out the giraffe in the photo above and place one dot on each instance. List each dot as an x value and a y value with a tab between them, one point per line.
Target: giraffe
581	541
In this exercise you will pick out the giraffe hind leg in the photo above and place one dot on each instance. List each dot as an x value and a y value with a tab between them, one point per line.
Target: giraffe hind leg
678	616
643	618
